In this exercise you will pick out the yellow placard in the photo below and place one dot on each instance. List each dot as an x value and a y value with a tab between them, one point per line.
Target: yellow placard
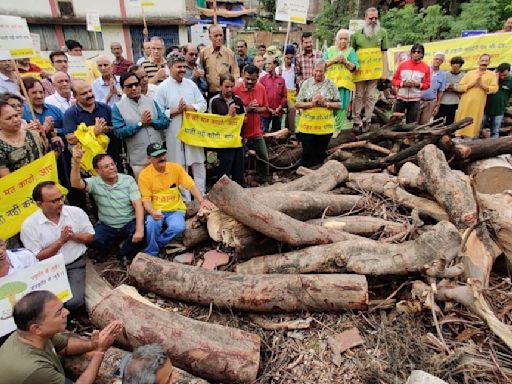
370	64
44	64
16	202
498	45
291	95
211	131
20	53
35	75
316	121
147	4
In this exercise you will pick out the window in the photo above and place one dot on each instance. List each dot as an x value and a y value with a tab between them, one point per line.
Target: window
47	35
66	8
84	37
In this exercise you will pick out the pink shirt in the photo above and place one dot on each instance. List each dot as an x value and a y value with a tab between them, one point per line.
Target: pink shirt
275	87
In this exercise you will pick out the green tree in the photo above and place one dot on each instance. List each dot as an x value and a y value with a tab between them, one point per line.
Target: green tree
402	25
334	15
480	14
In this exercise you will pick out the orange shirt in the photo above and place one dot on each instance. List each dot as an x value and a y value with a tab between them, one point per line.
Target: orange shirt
161	188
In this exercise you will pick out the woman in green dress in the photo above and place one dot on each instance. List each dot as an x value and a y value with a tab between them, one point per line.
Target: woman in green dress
341	64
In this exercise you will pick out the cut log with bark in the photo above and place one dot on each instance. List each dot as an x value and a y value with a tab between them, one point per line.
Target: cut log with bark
451	189
194	234
492	175
76	365
364	256
323	179
255	293
210	351
362	225
410	176
238	203
483	148
498	209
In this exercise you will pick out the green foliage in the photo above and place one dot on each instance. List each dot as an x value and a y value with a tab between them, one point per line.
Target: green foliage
269	5
263	24
479	14
334	15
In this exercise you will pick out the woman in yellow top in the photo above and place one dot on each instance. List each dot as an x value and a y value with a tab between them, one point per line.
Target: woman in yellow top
342	62
475	86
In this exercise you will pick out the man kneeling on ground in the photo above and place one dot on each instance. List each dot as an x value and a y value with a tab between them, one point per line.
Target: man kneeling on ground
31	354
159	186
120	211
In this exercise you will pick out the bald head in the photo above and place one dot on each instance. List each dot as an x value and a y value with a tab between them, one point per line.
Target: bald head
62	83
190	51
216	36
83	93
104	66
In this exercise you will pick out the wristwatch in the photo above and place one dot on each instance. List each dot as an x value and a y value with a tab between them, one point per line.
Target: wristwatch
139	124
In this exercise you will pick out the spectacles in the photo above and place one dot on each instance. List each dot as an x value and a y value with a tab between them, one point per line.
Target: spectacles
16	105
55	201
132	85
109	165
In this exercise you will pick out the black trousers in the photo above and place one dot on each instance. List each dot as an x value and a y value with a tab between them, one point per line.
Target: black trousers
231	163
411	109
313	148
448	112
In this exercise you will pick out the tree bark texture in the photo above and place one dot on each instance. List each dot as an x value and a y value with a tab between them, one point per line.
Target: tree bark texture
483	148
255	293
210	351
193	236
361	225
364	256
76	365
238	203
451	189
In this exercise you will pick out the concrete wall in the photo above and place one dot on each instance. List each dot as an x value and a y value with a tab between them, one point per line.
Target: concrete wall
39	8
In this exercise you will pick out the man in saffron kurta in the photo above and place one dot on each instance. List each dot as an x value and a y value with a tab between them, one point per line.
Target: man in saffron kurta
475	86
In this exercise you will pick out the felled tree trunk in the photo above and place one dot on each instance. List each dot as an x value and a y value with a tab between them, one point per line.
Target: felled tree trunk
498	208
492	175
483	148
76	365
361	225
364	256
323	179
193	236
238	203
211	351
410	176
451	189
262	293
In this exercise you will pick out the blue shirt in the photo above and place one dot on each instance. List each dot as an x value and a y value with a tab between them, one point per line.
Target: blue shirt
101	90
48	110
437	84
243	62
8	85
76	115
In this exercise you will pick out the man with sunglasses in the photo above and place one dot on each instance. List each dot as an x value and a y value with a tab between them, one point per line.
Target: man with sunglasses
371	36
411	77
58	228
194	71
138	120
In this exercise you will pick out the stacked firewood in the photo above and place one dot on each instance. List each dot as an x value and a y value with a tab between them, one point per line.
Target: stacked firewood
309	244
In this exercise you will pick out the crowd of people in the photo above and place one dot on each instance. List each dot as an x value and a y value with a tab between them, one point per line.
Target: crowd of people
135	192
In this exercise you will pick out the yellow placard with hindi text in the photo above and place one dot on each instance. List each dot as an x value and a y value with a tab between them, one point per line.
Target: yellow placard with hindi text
498	45
16	202
211	131
316	121
370	64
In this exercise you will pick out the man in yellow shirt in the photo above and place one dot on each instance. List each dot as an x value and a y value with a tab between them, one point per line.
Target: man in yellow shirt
159	186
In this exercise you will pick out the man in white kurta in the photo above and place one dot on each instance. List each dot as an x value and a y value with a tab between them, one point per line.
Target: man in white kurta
178	94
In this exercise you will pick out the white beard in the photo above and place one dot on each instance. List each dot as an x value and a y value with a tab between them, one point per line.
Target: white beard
371	30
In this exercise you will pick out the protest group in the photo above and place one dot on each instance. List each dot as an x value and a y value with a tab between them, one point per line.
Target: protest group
112	159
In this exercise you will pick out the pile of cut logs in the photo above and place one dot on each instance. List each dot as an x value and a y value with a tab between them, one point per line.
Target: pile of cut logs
302	246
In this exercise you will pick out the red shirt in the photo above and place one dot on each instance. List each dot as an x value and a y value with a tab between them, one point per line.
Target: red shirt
276	92
252	126
31	68
122	67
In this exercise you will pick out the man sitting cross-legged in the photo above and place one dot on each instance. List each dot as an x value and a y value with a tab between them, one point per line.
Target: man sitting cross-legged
159	186
120	210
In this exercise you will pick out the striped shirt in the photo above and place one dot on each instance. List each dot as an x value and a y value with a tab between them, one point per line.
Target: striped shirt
152	68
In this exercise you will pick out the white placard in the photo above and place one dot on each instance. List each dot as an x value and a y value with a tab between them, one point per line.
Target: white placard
49	275
295	11
93	21
77	67
36	43
15	40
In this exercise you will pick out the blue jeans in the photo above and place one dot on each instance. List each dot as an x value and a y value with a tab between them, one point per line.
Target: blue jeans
495	123
157	238
106	236
274	120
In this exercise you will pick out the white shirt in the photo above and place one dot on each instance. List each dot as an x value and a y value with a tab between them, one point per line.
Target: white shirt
60	102
20	259
101	89
168	95
288	76
37	232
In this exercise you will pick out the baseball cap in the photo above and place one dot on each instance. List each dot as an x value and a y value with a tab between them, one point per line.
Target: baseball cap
155	149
